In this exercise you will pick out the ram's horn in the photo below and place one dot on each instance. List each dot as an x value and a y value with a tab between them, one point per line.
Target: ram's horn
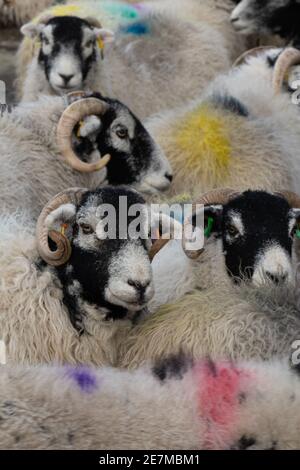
290	56
164	239
292	198
217	196
93	22
251	53
73	115
63	248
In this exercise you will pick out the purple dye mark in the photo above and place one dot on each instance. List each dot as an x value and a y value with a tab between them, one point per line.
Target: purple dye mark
141	7
84	378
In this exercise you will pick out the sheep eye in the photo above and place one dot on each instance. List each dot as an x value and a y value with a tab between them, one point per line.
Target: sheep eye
122	132
87	229
89	44
46	41
232	231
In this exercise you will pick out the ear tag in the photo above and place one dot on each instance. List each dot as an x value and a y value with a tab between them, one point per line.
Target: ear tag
79	127
37	44
298	233
100	43
208	230
63	229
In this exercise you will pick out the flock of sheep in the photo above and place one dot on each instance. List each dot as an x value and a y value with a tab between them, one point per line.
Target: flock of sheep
141	343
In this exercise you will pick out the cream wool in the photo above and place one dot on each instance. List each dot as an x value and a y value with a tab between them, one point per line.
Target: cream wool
37	328
177	405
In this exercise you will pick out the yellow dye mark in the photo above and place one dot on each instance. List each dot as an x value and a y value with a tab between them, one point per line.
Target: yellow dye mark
204	142
65	10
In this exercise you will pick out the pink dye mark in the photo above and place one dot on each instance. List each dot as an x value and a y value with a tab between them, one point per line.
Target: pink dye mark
220	386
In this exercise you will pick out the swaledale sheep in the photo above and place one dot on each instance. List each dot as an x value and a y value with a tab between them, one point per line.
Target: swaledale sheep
75	304
177	404
155	64
270	17
33	171
237	299
242	132
18	12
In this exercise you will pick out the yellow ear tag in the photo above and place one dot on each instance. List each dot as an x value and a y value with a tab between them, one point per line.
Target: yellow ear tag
37	45
100	43
79	127
63	229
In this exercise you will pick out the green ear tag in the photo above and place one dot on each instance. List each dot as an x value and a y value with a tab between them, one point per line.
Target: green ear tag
210	223
298	233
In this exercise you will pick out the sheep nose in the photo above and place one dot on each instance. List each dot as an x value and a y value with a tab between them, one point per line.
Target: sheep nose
277	278
169	177
66	78
139	287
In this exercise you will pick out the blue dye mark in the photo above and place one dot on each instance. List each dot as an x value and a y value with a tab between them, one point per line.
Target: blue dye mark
137	29
84	378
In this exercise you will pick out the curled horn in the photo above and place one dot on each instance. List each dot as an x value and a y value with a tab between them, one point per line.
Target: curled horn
251	53
292	198
217	196
290	56
72	115
164	239
63	251
93	22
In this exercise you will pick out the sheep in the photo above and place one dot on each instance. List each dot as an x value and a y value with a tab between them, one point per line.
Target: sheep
157	57
73	304
177	404
271	17
33	171
215	13
18	12
240	133
237	300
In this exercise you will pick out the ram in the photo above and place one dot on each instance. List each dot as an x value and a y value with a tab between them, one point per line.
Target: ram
177	404
271	17
158	57
35	136
18	12
237	300
73	298
242	132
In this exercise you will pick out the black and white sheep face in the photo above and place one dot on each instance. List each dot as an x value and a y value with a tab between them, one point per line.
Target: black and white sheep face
112	273
68	50
136	159
257	231
267	17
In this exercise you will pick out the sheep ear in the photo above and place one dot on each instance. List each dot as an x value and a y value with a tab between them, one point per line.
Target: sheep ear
212	219
104	35
64	214
31	30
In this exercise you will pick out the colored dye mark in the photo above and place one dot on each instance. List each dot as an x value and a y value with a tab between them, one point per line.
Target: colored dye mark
219	390
84	378
121	10
203	138
65	10
220	386
137	29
